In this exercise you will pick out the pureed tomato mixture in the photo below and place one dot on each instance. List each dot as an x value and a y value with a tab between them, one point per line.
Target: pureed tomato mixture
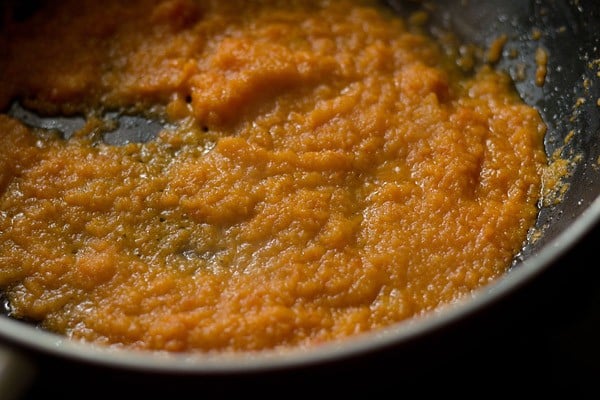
326	172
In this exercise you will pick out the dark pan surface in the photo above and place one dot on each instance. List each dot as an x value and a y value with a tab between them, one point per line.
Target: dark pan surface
568	101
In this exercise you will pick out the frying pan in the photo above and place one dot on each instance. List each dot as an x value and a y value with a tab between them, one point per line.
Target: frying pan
568	101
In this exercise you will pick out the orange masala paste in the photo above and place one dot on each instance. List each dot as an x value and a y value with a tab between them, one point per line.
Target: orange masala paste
324	171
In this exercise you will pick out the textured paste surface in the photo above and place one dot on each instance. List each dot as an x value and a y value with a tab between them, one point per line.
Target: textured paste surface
325	172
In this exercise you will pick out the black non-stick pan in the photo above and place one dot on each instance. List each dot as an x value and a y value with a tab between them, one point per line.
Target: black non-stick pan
567	31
